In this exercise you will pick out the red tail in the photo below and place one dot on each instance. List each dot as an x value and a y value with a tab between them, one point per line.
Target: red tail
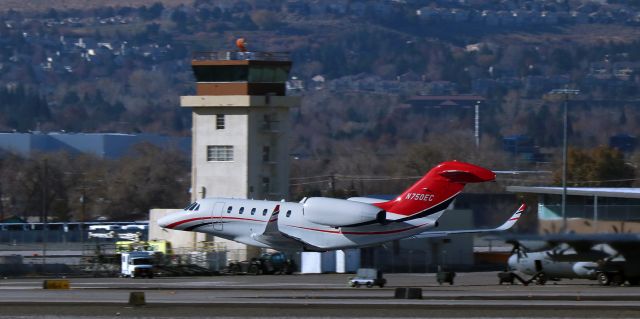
436	190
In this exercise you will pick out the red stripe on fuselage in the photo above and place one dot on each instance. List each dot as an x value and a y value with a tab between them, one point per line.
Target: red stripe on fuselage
173	225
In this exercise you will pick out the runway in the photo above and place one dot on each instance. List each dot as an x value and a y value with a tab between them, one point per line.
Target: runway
313	296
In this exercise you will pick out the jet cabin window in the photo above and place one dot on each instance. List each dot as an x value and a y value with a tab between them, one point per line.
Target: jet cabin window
253	211
229	209
264	212
241	210
288	213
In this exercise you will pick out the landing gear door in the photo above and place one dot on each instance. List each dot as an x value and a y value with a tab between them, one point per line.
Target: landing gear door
217	216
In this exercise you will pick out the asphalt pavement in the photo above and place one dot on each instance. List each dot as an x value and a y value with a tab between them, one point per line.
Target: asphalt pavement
473	295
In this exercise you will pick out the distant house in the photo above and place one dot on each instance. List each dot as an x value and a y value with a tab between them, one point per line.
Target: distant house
625	70
444	101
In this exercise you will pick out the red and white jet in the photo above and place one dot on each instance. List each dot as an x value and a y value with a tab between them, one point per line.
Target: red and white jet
321	224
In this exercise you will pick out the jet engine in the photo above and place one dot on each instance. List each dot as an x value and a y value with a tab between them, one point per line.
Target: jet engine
340	213
585	268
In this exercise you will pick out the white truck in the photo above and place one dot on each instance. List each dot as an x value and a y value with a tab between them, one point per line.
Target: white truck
137	264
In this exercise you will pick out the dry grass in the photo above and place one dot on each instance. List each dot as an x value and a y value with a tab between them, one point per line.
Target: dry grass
61	5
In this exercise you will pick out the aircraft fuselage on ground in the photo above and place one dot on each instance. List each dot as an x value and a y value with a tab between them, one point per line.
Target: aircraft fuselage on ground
321	224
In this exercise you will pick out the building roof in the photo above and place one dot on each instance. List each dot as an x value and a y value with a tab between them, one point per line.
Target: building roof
620	192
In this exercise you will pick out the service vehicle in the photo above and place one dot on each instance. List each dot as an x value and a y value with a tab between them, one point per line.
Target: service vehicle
137	264
368	277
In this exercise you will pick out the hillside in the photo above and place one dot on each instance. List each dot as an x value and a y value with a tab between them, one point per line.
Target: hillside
121	66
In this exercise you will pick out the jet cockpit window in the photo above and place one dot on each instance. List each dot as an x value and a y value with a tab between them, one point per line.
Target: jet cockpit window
191	206
229	209
196	207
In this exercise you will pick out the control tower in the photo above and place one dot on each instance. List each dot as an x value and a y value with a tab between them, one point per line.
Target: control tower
240	144
240	125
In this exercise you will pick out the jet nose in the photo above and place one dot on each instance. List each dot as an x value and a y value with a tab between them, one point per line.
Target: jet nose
165	221
513	262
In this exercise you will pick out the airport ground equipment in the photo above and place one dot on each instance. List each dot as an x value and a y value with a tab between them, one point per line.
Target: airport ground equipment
510	277
445	277
368	277
99	259
267	264
161	246
608	258
137	264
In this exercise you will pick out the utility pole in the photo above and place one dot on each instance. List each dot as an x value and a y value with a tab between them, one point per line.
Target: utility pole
566	92
332	178
83	207
44	212
477	124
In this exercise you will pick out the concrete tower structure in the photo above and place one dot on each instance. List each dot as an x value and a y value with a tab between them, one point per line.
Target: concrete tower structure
240	128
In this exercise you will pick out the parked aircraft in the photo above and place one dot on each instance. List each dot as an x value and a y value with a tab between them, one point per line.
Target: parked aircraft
608	258
321	224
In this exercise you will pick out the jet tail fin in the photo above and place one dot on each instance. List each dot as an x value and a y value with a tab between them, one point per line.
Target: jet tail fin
436	190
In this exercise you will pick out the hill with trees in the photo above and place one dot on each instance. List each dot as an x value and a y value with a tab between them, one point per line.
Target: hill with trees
121	66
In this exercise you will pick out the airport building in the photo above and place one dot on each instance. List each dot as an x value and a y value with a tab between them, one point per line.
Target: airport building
103	145
588	209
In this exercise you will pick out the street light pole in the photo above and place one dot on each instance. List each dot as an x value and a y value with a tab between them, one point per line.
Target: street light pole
477	124
44	213
566	93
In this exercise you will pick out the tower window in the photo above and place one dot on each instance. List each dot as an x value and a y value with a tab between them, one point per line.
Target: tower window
219	153
219	121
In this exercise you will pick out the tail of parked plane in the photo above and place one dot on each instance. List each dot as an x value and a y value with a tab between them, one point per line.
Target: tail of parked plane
436	190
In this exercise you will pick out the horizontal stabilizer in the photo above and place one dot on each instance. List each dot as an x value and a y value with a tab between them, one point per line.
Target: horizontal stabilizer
508	224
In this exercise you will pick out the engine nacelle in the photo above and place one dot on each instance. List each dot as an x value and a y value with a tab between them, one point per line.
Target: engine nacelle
339	212
585	269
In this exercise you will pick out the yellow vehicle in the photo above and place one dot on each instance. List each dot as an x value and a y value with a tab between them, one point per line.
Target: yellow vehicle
162	246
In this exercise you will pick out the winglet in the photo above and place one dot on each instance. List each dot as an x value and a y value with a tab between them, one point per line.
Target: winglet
508	224
514	218
272	225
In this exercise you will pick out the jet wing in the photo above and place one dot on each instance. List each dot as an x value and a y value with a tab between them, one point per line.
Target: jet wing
272	236
508	224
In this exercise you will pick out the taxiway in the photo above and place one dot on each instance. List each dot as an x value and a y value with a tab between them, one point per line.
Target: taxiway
312	296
